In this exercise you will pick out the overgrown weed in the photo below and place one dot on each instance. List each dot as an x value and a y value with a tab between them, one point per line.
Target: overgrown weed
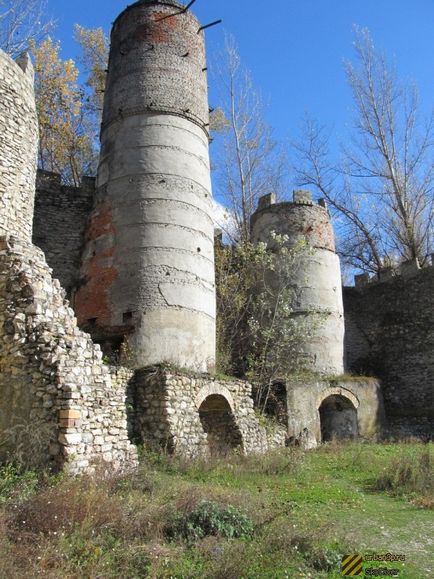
411	475
231	517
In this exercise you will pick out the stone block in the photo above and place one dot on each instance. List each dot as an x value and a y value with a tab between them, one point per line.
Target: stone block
301	196
67	422
69	414
266	201
410	267
361	280
69	439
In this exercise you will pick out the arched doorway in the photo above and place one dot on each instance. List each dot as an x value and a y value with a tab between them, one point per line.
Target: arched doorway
218	423
338	417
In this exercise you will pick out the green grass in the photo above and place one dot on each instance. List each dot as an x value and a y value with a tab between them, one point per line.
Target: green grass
289	514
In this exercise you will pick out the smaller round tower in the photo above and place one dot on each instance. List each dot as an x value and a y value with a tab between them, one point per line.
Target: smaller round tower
317	280
18	146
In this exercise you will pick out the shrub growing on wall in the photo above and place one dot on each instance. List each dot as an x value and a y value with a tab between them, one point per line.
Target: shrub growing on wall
258	333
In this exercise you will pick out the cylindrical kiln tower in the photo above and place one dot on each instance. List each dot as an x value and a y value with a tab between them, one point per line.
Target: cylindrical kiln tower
317	279
148	268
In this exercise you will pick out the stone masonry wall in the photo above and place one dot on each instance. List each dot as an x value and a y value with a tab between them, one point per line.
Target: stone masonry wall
59	222
18	145
390	334
167	406
59	403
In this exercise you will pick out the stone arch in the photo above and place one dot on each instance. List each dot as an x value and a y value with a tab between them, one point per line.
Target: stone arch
337	409
218	422
214	389
338	391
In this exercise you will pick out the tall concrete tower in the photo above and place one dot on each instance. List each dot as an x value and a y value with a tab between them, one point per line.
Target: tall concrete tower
317	279
148	266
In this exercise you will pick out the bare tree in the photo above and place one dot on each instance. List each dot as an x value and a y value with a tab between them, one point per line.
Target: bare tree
249	163
382	188
20	22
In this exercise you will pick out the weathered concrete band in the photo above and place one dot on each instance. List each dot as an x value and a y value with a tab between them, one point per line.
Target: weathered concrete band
317	279
148	266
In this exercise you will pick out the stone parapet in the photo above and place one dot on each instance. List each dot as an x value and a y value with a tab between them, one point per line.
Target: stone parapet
404	270
301	219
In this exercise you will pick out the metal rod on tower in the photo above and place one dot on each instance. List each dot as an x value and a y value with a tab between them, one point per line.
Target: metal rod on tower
189	5
209	25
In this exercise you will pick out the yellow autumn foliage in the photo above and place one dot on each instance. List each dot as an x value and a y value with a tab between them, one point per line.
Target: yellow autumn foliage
66	145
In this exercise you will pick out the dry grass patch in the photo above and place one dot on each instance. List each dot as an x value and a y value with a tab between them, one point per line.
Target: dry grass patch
412	476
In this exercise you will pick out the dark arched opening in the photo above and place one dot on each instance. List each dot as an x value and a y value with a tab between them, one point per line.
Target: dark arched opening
338	419
218	423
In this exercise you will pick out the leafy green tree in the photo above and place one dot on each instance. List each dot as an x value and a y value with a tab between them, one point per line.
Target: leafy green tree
258	332
234	285
275	329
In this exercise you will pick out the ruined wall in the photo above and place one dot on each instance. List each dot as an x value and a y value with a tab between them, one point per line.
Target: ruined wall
148	267
305	397
58	402
169	405
317	278
390	334
18	146
60	217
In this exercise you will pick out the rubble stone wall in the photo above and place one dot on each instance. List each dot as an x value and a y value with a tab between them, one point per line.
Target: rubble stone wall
168	403
59	403
59	221
389	333
18	146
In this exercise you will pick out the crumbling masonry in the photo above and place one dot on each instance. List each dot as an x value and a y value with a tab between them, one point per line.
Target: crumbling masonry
59	403
134	257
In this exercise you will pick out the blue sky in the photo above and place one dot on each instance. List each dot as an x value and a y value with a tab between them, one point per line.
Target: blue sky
295	48
295	51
